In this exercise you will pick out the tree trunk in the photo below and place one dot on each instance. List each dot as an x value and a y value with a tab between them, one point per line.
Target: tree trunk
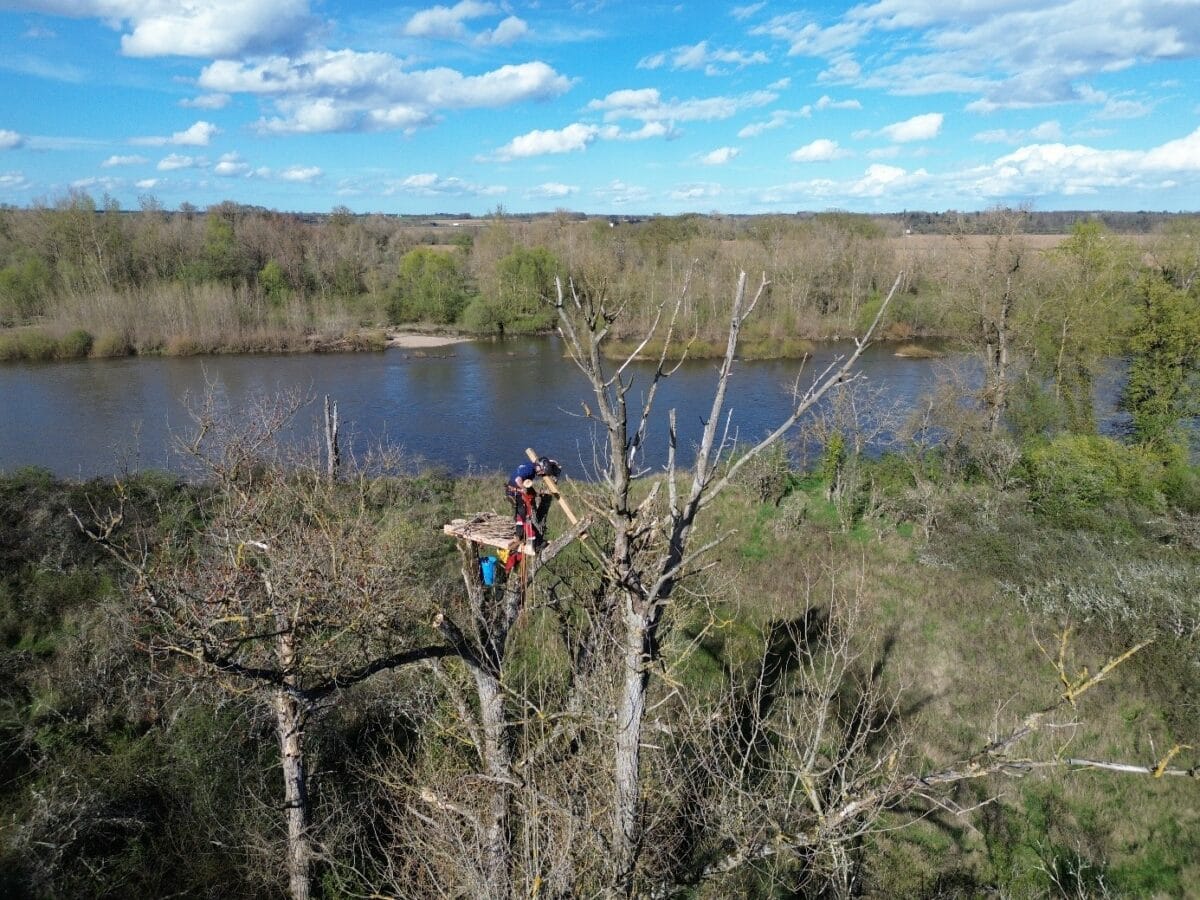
999	361
497	752
333	453
289	719
631	709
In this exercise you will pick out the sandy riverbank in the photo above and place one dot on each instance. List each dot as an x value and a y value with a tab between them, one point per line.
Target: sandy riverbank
414	341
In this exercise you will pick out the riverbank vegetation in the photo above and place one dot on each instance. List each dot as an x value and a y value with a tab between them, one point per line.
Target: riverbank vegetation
964	667
79	278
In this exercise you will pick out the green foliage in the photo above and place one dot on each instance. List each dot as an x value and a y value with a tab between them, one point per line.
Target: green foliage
833	459
31	344
1074	476
1033	412
1074	333
430	286
1180	485
659	233
75	345
274	284
111	344
521	306
24	289
223	259
1165	344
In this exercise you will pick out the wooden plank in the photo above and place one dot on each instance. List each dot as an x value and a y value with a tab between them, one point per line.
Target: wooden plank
490	529
552	486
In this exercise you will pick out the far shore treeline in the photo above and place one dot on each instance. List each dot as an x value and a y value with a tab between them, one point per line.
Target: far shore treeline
81	278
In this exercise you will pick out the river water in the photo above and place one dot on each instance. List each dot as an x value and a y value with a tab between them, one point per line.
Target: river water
474	408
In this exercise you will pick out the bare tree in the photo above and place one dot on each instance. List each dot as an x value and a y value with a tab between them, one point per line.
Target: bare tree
989	287
277	582
481	641
652	550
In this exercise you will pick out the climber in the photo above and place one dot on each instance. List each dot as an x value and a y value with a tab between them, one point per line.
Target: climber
530	507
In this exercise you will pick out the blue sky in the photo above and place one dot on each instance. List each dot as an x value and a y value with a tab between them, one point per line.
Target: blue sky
603	107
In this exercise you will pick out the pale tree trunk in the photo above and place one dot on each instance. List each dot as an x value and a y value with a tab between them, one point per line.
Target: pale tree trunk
289	722
998	358
630	714
497	761
333	453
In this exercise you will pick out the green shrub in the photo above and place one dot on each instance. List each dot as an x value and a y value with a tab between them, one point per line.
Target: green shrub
431	286
1075	474
110	344
482	316
1180	485
75	345
35	345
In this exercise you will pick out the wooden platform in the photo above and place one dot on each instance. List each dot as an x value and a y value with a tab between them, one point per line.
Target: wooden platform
487	528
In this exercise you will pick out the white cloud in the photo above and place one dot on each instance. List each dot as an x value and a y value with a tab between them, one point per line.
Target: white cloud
1114	107
1071	170
552	190
745	12
827	102
843	68
574	137
124	161
344	90
206	101
779	118
508	32
147	183
197	135
309	117
231	165
619	193
430	184
301	173
446	22
696	191
720	156
700	56
205	28
806	38
105	183
647	131
1047	131
177	161
919	128
820	150
647	105
13	181
876	182
880	179
10	140
1009	53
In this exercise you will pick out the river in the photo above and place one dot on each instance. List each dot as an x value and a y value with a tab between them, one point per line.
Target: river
469	407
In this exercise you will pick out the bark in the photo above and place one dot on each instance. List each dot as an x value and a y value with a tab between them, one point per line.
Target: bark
289	722
630	715
998	350
497	760
333	453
